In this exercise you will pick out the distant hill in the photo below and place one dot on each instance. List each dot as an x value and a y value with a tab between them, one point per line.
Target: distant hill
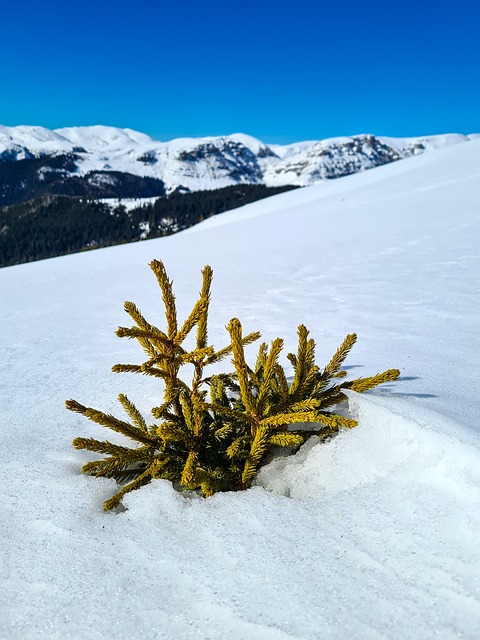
53	225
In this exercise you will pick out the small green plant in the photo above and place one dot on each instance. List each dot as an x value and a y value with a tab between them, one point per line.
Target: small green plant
214	433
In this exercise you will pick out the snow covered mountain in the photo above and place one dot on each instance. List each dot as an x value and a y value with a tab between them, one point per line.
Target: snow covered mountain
379	537
200	163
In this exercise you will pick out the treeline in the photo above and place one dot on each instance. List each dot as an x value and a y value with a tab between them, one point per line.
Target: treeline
57	225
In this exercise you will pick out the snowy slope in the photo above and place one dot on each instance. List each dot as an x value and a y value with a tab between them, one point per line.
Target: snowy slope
18	143
308	163
213	162
379	538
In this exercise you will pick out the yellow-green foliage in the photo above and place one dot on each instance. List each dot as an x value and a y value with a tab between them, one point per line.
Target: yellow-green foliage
214	434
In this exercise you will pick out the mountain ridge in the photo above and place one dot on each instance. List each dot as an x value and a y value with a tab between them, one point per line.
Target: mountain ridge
193	164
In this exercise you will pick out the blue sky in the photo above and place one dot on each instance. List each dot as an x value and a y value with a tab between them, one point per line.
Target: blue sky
281	71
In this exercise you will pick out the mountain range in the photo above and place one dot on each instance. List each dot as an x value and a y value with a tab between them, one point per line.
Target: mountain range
79	188
108	162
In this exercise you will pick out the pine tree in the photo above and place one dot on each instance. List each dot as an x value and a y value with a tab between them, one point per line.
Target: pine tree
214	433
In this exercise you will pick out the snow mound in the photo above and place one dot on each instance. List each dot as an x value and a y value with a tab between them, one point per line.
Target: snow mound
394	442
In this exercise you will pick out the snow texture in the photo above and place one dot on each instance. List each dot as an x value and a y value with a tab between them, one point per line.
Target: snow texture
373	535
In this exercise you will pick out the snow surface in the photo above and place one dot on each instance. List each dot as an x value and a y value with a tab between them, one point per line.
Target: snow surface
379	538
129	203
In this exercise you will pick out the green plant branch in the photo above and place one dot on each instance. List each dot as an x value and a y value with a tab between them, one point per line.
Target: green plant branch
215	433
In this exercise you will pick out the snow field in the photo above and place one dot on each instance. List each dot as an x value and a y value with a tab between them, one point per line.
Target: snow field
379	537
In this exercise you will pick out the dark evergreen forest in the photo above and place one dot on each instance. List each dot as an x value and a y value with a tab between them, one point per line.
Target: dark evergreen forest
54	225
32	178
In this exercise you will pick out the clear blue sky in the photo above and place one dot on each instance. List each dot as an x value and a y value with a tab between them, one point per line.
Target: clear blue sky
281	71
